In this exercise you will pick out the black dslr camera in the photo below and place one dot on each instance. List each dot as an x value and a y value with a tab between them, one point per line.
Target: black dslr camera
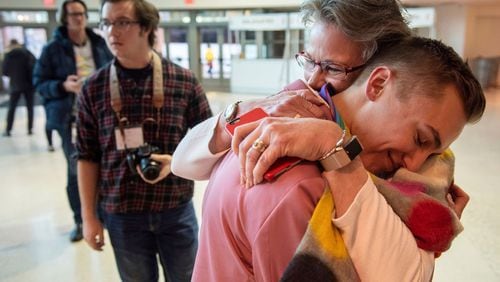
141	156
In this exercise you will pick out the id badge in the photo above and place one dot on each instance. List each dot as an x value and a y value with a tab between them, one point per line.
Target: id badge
132	137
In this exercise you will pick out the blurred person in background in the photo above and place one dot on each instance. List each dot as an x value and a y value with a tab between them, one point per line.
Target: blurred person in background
48	135
18	66
209	56
74	52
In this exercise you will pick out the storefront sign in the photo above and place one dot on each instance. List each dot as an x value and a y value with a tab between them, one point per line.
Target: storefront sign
280	21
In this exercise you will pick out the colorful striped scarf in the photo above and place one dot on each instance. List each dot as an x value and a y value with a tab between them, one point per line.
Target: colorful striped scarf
419	199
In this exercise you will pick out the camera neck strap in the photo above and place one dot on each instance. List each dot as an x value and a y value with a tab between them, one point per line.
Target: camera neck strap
158	93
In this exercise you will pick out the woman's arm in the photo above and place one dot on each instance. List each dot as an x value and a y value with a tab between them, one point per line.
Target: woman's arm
201	148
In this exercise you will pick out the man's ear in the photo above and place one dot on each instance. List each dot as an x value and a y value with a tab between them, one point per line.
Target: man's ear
145	32
377	80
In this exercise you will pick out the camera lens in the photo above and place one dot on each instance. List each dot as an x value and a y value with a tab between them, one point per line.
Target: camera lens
150	169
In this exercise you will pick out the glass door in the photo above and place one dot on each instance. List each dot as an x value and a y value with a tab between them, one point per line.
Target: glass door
177	45
210	52
217	47
35	40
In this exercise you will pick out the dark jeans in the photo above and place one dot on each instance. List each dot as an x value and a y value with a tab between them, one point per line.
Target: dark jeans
137	239
48	134
48	128
64	131
14	99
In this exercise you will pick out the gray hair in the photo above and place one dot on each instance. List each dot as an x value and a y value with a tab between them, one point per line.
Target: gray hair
373	23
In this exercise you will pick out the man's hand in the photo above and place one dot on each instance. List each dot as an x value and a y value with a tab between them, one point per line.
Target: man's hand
165	161
93	233
73	84
457	199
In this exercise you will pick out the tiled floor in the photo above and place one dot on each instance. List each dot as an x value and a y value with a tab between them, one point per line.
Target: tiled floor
35	218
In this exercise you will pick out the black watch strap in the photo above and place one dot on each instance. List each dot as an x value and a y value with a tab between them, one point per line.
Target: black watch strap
343	154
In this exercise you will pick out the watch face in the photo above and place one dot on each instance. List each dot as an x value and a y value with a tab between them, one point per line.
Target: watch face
231	111
353	148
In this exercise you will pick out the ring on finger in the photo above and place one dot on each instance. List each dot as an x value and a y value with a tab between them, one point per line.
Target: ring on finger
259	145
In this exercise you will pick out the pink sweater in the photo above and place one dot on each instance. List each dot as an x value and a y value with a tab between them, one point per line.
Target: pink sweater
239	226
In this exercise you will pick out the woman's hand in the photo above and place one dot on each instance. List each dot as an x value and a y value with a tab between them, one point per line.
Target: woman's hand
298	103
306	138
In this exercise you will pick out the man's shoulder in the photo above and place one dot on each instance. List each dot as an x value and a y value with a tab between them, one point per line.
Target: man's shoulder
99	75
18	54
177	71
55	45
94	37
24	52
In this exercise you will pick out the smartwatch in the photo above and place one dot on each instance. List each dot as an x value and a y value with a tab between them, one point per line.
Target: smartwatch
231	112
342	154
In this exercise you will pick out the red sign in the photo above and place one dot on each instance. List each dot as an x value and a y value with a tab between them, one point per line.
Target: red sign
188	2
49	3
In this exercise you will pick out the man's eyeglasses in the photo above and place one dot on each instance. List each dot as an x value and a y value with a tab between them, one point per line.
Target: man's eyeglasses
333	70
77	14
121	25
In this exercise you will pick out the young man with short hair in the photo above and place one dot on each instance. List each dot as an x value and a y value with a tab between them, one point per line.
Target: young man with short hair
131	116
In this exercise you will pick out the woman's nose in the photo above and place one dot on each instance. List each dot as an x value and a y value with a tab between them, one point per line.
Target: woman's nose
317	78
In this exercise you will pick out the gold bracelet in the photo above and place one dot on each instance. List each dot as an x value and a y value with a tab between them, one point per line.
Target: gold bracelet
337	147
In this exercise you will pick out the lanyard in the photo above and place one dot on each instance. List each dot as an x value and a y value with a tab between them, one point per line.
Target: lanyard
325	93
158	93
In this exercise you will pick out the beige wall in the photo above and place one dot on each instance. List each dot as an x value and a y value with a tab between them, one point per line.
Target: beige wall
483	32
451	25
472	30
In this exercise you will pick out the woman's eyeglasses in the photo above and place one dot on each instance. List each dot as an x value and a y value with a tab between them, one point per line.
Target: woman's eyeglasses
333	70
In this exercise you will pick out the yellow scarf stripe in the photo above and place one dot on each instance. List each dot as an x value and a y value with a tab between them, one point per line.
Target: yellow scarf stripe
326	235
447	154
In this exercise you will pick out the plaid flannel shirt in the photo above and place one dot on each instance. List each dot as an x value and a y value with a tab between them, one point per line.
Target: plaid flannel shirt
185	105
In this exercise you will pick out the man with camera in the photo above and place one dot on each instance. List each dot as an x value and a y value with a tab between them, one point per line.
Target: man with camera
131	115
